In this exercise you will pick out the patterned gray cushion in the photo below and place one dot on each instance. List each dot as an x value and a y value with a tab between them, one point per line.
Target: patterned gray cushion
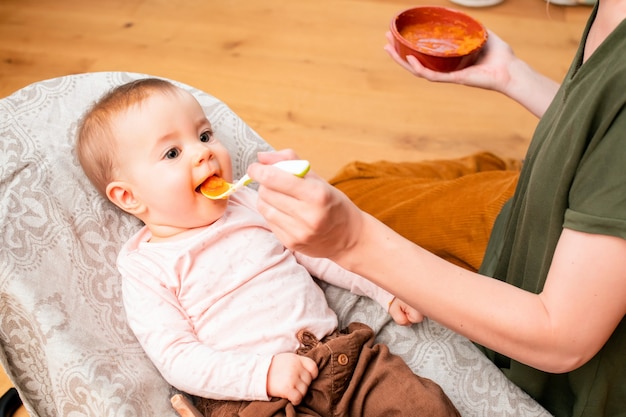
64	340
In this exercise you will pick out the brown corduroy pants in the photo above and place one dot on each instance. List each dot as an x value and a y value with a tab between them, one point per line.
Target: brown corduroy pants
448	207
356	378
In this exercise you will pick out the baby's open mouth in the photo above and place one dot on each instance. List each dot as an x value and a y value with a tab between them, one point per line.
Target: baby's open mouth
213	186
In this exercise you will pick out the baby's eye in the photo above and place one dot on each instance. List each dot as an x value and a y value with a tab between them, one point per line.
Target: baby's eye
206	136
172	153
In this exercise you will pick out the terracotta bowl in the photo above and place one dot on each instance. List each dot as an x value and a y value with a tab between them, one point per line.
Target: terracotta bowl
442	39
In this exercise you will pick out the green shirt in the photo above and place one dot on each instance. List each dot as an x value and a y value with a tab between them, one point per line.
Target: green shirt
574	177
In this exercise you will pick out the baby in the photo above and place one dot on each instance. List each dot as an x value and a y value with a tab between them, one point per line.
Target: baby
221	307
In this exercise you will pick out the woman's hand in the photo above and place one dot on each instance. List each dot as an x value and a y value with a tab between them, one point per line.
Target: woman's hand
490	72
307	214
497	69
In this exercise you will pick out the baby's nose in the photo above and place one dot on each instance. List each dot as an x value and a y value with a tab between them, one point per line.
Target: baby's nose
202	154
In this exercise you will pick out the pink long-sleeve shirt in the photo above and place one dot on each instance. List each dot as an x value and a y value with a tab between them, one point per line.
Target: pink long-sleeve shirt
213	309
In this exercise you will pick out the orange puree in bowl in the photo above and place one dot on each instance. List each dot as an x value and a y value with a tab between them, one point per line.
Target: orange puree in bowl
441	38
214	186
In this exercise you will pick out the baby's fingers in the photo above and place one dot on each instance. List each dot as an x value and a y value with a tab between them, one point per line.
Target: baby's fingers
311	367
308	372
414	316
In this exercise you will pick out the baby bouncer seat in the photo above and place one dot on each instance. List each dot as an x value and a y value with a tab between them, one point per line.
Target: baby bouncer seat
64	342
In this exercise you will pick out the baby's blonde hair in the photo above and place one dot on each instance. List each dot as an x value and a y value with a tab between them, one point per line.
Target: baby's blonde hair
95	145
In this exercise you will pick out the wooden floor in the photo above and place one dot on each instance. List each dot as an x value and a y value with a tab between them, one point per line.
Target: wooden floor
305	74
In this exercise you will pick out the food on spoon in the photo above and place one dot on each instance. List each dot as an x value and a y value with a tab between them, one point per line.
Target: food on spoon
214	186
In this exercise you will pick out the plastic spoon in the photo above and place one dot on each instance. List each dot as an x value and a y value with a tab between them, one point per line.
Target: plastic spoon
216	189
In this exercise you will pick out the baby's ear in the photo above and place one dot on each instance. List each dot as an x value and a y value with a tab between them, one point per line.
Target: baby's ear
121	194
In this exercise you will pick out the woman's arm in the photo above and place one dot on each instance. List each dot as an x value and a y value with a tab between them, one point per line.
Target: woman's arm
497	69
558	330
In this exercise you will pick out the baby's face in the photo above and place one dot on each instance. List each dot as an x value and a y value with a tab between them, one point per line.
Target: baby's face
166	150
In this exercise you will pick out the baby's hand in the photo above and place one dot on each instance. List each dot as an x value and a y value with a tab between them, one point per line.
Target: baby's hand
289	376
404	314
